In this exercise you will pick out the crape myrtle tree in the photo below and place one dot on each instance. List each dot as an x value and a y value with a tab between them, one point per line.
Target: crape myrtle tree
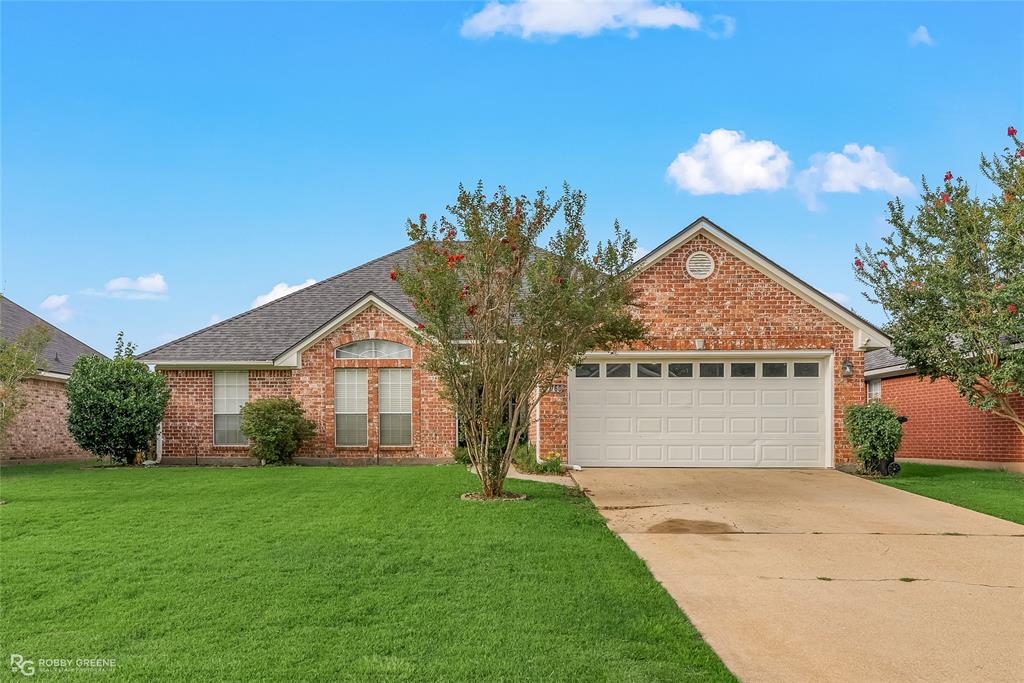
503	319
951	279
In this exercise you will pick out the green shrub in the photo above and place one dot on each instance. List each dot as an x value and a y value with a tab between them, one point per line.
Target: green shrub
115	404
461	455
525	458
874	431
275	427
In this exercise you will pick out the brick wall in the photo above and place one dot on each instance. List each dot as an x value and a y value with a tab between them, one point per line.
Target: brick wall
188	422
736	308
943	426
40	430
433	424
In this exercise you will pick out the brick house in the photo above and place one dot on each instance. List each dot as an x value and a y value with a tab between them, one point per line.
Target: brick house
941	427
746	365
40	431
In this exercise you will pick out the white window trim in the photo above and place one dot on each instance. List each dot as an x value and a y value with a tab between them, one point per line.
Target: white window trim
399	351
244	373
365	412
381	413
872	385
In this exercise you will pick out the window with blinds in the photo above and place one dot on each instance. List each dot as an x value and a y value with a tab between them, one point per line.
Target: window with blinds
230	393
350	407
395	407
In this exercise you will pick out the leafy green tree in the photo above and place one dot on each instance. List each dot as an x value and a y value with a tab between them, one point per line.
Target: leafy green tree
115	404
20	359
951	279
504	319
275	427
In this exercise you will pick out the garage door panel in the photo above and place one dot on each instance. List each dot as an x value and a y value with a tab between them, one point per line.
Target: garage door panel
775	453
743	455
806	425
710	397
680	397
680	425
680	454
806	397
711	453
649	453
730	421
775	425
742	397
743	425
711	425
649	425
616	426
650	398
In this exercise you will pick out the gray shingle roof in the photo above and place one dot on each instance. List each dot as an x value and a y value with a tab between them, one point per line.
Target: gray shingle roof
60	353
882	358
265	332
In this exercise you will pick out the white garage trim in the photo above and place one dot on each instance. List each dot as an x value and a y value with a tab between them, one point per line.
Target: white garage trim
776	421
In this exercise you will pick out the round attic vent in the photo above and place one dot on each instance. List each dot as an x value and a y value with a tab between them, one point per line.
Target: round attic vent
700	265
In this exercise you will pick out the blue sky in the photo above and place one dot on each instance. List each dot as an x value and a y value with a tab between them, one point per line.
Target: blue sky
166	164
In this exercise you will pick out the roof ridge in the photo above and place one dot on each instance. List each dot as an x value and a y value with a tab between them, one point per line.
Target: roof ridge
4	299
277	300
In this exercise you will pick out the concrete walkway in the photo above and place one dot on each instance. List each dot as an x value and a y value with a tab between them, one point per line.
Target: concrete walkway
814	575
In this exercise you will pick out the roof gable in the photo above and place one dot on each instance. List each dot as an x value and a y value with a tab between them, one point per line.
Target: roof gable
866	335
62	350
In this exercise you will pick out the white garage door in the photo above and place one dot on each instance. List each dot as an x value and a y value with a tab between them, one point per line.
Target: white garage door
707	412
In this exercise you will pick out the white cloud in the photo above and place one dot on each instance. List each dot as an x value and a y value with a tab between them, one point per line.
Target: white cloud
152	286
215	318
725	162
920	36
853	169
279	290
839	297
583	18
721	26
56	307
640	252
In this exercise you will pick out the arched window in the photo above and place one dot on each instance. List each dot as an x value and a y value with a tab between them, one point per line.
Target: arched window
372	348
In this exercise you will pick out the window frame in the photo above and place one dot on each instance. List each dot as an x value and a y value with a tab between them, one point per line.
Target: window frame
244	384
732	370
375	350
871	395
628	375
806	364
366	405
650	365
577	375
785	368
700	369
688	364
405	384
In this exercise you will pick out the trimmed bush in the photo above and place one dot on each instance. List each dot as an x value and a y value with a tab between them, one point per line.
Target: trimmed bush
275	427
875	432
115	404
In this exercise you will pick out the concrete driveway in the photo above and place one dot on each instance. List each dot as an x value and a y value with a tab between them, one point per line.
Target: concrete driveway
815	575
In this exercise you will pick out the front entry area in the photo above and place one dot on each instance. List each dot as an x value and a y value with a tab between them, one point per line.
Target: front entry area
701	410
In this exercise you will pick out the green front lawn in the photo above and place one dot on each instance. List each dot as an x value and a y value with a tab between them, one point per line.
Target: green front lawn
306	573
994	492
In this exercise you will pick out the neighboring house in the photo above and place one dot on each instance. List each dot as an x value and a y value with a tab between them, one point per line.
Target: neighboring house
40	430
941	427
746	366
